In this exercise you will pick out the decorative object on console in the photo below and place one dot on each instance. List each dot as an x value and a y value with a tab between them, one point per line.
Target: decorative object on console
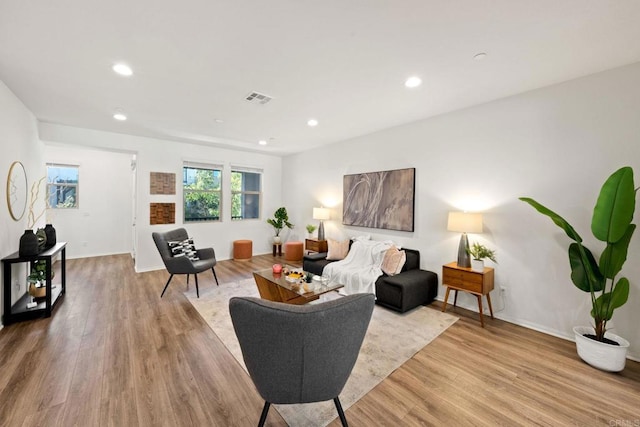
28	244
279	221
42	239
479	253
611	224
464	222
380	199
321	214
17	190
337	250
50	232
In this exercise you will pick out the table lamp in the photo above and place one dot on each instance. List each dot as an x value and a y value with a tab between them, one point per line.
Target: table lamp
464	222
321	214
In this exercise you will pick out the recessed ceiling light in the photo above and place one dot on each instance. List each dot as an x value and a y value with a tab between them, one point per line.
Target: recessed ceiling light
218	120
413	81
262	142
120	116
479	56
312	122
123	69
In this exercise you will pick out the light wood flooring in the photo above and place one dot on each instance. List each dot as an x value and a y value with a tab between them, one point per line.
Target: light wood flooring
115	354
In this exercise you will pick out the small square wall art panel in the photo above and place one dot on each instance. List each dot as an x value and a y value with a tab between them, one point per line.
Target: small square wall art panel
162	183
383	199
162	213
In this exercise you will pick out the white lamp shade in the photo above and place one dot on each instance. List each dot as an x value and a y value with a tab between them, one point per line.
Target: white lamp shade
465	222
321	213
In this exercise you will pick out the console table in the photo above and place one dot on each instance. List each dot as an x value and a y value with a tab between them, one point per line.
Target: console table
478	283
19	311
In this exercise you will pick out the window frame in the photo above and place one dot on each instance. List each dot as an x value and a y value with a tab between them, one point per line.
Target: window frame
185	191
243	170
76	185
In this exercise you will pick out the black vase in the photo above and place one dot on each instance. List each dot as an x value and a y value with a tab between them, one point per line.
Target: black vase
42	239
28	244
51	235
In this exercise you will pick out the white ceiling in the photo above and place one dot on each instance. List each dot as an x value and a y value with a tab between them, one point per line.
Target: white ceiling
343	62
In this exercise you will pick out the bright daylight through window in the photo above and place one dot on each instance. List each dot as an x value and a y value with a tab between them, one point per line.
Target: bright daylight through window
62	186
245	194
201	185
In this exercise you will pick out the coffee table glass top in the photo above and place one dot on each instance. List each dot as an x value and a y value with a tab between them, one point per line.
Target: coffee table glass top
306	290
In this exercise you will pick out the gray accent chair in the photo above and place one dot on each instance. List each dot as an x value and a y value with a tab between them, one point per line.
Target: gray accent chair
301	353
182	264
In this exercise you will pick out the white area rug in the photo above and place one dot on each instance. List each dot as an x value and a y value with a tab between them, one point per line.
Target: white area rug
391	340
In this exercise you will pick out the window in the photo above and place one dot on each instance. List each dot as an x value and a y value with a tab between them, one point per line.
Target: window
62	186
201	185
245	194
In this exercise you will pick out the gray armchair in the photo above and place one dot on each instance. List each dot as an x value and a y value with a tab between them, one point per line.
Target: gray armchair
301	353
182	264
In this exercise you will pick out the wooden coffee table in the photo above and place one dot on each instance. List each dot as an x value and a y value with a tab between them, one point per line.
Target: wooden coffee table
274	287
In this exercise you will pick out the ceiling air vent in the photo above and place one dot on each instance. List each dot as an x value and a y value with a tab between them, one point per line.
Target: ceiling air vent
257	97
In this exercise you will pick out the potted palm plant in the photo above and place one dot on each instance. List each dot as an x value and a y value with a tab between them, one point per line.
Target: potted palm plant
479	253
279	221
611	224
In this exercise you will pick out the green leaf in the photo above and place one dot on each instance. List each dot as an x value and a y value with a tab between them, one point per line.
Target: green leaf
615	206
609	301
584	269
615	254
557	219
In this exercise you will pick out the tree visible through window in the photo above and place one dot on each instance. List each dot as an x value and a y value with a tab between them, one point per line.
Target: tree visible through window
62	186
245	194
202	193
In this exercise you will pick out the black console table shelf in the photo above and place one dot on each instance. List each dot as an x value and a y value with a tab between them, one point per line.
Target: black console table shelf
19	311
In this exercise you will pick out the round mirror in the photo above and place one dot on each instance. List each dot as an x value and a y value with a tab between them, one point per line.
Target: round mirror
17	191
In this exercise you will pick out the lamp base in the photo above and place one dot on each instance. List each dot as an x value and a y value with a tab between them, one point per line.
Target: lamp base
463	256
321	231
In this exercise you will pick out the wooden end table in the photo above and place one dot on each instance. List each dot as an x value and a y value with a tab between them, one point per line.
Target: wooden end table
465	279
277	248
315	245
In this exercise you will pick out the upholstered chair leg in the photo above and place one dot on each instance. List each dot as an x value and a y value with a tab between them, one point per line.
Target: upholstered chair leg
166	286
197	290
343	419
214	275
265	411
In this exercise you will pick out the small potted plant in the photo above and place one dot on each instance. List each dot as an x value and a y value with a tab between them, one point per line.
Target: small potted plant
37	278
479	253
279	221
310	229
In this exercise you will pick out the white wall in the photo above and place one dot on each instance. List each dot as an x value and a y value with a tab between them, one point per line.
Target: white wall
154	155
557	145
18	142
101	225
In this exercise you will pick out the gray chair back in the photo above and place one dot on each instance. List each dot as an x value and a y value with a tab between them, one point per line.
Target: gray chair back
162	240
301	354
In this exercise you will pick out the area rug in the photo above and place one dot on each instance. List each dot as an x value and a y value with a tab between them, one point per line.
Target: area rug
391	340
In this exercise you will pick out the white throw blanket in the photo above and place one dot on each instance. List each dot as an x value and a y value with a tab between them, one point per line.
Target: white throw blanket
360	269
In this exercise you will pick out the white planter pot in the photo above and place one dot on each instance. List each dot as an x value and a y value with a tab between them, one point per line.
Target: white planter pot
606	357
477	265
276	239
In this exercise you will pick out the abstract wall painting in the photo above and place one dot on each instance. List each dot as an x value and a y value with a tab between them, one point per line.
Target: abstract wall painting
383	199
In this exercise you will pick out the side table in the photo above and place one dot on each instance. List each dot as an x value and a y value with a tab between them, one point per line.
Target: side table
277	248
315	245
465	279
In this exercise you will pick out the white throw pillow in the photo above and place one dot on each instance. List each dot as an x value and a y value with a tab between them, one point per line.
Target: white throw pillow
337	250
